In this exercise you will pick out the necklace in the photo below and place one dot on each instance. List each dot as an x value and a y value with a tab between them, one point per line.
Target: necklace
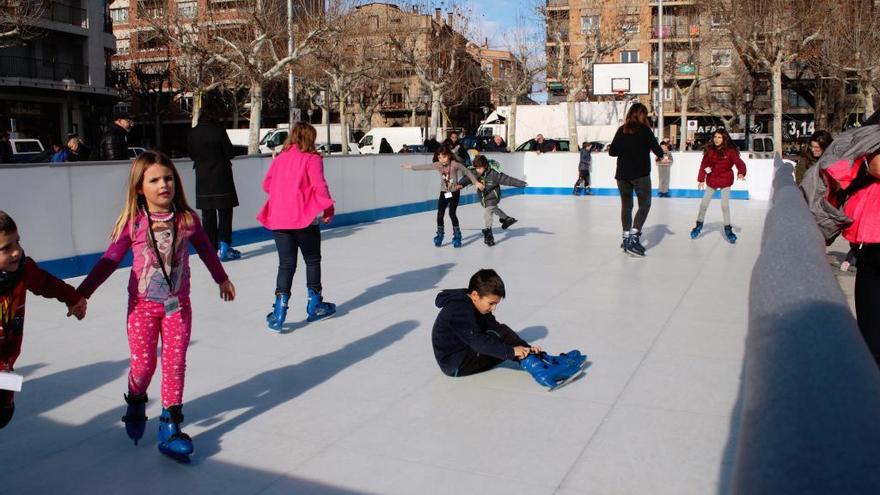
162	217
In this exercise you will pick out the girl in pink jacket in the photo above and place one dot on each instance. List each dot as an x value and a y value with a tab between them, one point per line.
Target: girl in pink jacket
298	194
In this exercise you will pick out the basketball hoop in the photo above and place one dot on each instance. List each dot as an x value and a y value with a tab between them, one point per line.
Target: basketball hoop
620	94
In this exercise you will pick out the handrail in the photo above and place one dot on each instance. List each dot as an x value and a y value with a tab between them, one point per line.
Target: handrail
810	394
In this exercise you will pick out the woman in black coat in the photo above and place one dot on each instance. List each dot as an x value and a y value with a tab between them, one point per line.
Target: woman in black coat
211	153
633	145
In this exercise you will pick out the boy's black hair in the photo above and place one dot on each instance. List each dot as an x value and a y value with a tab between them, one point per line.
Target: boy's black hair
7	224
482	162
487	283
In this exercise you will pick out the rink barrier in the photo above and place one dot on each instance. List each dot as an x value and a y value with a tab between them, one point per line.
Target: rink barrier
65	211
810	394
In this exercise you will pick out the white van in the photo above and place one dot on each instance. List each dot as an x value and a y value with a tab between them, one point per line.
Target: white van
396	136
26	150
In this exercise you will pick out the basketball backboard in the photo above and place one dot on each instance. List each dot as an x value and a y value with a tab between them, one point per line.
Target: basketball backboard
615	79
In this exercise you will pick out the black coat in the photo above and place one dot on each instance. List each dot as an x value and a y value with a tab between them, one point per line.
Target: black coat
211	153
113	145
633	152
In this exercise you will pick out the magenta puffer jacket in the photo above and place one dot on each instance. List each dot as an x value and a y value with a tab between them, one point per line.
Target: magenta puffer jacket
863	206
720	165
297	191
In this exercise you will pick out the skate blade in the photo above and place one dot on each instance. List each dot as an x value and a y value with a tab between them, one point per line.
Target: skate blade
180	458
576	376
311	319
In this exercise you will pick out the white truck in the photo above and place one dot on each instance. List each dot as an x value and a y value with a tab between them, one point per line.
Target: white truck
271	138
396	137
596	121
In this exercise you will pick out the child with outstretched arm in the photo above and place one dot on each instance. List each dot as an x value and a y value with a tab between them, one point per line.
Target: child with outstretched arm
490	195
18	275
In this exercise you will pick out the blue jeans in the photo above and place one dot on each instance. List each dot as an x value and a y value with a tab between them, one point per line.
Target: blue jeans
287	242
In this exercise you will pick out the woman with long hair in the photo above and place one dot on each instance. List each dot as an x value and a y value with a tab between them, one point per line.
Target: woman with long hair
716	173
632	145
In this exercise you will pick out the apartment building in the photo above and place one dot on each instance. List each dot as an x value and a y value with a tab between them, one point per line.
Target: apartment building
58	84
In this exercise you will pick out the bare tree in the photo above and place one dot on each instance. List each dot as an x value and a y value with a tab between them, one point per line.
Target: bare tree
151	84
18	21
519	76
769	35
573	65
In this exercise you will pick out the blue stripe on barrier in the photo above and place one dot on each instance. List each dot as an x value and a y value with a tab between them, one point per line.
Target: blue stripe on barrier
80	265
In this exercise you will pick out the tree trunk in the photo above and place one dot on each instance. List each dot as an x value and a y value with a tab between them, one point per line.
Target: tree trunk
572	121
820	110
776	72
325	113
197	107
511	126
412	116
342	126
235	115
256	117
435	114
683	132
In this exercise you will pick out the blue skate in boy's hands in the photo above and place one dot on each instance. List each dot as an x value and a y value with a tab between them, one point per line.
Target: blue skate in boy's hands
135	418
552	376
173	442
573	358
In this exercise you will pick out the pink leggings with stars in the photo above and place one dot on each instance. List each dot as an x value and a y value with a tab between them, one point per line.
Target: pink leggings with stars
146	322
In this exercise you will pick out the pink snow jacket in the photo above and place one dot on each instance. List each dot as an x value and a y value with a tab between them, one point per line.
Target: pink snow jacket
862	205
297	191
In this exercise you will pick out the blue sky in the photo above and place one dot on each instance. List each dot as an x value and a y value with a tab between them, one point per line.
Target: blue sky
495	19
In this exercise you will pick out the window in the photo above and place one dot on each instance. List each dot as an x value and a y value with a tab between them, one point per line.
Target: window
149	40
631	25
795	100
629	56
186	104
668	94
122	46
396	98
119	16
187	10
719	19
721	57
589	24
721	96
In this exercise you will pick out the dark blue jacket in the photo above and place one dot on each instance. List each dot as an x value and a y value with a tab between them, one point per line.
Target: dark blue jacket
460	327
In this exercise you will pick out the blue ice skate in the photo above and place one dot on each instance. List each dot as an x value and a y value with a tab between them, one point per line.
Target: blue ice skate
173	442
729	235
438	239
317	308
548	374
456	237
276	318
135	418
695	232
227	253
572	358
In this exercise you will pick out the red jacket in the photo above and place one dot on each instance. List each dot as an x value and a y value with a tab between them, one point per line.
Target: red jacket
863	206
721	165
32	278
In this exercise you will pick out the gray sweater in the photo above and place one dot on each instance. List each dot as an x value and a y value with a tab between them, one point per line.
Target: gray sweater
450	174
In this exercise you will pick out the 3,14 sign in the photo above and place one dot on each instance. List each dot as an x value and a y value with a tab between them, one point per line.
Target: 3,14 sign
799	128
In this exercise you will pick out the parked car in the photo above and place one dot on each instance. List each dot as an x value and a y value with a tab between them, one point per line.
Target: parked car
336	148
531	144
134	151
26	150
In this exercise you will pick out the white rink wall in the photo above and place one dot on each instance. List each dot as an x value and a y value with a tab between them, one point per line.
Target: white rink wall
65	212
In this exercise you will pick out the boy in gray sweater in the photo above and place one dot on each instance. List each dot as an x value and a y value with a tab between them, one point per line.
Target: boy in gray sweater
490	194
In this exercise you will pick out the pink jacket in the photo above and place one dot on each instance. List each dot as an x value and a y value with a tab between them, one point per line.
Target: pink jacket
863	206
297	191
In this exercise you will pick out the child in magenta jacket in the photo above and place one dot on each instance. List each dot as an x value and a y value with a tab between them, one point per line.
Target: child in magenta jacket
716	173
298	194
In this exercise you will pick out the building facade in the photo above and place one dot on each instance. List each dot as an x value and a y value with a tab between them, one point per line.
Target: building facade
58	84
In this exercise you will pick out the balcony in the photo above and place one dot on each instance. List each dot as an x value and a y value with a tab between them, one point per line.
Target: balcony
676	33
37	68
557	4
66	14
672	3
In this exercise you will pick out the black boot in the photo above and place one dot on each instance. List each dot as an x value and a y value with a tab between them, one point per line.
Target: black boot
135	418
507	222
6	415
488	238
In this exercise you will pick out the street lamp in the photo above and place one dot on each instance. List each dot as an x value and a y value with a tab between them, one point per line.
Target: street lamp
747	98
425	99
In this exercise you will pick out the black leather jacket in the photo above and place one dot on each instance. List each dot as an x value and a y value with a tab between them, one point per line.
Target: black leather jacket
114	144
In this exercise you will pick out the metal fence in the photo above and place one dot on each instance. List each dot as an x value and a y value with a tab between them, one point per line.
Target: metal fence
810	396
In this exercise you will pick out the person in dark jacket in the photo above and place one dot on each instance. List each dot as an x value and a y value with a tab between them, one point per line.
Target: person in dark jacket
819	142
632	145
459	152
544	145
716	171
496	145
490	195
114	142
211	153
467	339
385	146
585	166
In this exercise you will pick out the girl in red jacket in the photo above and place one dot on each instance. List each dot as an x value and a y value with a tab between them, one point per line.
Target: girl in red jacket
716	172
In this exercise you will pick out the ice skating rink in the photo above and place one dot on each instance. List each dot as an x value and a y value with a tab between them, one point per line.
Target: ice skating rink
356	404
